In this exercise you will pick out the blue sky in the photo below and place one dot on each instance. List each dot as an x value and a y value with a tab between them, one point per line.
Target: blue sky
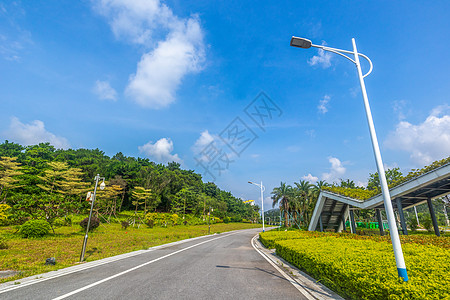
172	80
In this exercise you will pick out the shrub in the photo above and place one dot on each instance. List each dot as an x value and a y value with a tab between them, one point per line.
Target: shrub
95	222
362	267
34	228
4	214
427	223
125	224
3	244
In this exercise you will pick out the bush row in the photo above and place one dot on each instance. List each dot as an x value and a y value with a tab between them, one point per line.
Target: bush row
363	267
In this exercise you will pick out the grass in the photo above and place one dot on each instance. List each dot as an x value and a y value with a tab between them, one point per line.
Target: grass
27	256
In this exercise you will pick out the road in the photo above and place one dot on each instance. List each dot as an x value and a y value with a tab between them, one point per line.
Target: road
222	266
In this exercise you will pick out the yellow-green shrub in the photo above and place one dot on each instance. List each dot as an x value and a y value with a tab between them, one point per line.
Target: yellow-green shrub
364	268
4	213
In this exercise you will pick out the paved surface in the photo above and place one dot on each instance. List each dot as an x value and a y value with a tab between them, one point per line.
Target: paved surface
223	266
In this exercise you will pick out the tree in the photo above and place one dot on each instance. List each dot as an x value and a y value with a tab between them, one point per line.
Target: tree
281	195
60	182
9	170
305	190
391	176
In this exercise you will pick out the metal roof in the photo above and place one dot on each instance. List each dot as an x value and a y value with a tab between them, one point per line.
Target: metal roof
331	206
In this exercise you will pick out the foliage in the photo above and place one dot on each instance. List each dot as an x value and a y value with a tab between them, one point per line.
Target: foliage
95	222
4	213
34	229
364	267
355	193
427	223
57	180
3	243
392	175
9	171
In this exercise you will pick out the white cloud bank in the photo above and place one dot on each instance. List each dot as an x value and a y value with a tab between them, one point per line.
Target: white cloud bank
336	170
161	151
104	91
33	134
427	141
176	43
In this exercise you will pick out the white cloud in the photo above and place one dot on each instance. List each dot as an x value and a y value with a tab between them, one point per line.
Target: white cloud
33	134
323	104
427	141
310	178
161	151
176	44
336	170
104	90
204	140
323	59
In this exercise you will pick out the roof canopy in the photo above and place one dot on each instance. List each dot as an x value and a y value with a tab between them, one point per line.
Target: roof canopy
333	207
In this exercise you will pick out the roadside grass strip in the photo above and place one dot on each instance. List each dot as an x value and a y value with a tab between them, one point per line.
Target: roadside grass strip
364	267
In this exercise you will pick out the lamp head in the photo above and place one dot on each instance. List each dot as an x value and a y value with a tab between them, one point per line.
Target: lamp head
300	42
102	185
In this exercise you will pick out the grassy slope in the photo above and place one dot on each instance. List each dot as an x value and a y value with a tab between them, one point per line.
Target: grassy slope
28	255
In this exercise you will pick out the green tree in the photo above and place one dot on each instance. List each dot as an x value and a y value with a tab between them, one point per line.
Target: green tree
391	176
9	170
281	195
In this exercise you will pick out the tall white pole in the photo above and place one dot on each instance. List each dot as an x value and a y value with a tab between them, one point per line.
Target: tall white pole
262	204
401	267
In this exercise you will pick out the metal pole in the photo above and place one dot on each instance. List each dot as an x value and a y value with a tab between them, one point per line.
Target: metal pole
209	220
89	220
262	204
417	217
433	217
400	261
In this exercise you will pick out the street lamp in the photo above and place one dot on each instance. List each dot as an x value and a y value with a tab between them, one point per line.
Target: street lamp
262	200
305	43
102	187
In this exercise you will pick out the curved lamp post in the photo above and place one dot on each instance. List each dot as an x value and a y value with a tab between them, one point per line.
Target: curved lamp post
262	200
305	43
102	187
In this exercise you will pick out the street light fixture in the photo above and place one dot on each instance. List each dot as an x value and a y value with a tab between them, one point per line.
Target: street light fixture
305	43
102	186
262	200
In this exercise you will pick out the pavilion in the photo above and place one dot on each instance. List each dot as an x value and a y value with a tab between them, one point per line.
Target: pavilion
332	210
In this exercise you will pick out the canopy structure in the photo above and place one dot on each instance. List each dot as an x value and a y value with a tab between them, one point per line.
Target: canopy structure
332	210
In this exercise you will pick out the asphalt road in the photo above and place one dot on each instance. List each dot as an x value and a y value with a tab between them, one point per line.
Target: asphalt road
223	266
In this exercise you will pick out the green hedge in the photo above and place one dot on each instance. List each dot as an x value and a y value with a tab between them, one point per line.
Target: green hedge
364	268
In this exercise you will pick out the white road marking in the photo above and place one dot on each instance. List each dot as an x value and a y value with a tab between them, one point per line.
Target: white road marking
288	278
137	267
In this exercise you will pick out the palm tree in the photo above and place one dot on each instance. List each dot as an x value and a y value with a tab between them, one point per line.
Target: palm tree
282	195
315	192
305	191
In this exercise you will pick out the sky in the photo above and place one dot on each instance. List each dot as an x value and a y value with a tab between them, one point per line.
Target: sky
215	86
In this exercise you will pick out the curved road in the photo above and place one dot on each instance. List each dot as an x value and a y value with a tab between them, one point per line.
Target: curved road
223	266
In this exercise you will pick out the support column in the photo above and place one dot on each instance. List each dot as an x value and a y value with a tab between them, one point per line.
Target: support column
402	216
433	217
352	222
320	223
380	222
343	224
